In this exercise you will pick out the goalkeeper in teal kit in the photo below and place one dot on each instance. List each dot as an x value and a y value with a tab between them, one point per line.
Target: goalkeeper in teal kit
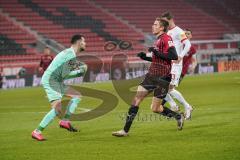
64	66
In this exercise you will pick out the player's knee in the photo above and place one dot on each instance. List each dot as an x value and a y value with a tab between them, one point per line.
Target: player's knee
137	100
76	95
57	106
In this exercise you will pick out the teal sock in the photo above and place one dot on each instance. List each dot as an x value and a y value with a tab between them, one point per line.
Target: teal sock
47	119
71	107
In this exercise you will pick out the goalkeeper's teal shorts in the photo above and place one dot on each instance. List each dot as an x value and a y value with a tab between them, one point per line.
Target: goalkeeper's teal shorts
54	89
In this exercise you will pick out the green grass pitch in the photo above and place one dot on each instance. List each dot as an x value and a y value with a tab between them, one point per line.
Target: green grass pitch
213	132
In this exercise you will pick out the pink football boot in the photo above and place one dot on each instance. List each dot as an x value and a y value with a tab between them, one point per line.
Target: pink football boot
67	125
37	135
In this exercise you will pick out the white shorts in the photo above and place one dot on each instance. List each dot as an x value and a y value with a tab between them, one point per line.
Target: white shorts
176	74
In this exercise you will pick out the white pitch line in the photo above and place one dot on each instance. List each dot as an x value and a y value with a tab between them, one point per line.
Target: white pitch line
84	109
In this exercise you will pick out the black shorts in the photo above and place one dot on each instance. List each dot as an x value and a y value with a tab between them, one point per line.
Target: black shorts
159	85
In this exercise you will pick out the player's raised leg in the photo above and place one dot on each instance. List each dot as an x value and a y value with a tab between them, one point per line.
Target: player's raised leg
159	94
177	95
158	108
72	105
188	108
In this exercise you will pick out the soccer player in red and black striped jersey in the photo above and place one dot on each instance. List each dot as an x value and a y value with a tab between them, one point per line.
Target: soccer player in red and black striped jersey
46	60
157	79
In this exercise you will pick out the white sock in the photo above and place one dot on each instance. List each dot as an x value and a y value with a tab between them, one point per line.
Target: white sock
170	100
176	94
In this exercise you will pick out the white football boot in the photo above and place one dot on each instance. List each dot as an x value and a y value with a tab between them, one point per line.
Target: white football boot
188	113
120	133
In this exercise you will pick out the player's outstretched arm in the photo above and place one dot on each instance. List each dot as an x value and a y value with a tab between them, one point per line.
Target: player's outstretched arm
172	53
143	56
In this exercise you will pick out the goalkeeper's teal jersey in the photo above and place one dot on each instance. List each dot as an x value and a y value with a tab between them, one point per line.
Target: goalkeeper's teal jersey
61	66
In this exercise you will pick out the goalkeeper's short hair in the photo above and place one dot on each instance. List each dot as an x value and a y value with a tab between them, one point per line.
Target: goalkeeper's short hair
75	38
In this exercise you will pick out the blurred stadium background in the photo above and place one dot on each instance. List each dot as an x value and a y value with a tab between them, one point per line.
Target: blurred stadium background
27	26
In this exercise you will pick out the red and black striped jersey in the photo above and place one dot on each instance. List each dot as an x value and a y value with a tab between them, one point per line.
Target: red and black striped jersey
160	67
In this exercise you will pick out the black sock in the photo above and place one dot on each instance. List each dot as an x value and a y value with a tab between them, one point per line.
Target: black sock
163	102
169	113
132	112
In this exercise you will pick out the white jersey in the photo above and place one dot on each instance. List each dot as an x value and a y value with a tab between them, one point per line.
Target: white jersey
178	36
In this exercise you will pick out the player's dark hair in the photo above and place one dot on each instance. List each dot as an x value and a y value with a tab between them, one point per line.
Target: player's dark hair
189	30
167	15
75	38
163	23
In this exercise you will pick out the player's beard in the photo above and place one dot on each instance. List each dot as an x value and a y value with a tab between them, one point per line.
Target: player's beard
81	49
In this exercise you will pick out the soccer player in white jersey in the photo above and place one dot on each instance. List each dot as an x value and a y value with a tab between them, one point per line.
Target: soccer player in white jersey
182	45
